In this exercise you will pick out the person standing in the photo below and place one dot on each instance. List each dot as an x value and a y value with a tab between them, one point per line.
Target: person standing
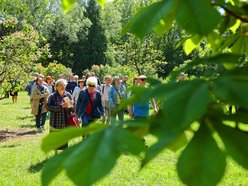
71	84
141	109
77	90
59	108
89	104
117	93
49	84
105	88
14	91
39	100
124	81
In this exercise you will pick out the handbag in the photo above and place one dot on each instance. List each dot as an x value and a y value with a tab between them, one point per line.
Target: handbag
72	120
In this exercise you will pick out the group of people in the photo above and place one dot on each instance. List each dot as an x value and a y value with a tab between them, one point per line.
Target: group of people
88	98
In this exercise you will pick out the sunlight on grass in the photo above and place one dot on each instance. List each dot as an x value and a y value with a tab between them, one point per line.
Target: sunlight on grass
21	158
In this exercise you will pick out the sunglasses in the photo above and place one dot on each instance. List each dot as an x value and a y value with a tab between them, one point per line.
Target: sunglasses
91	85
143	79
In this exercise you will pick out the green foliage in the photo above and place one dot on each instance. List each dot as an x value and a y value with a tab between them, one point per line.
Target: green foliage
159	10
67	36
197	20
54	69
194	165
20	49
185	102
116	70
234	143
67	4
100	148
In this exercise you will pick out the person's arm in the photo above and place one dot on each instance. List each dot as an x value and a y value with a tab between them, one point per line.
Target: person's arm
100	106
154	105
81	103
52	106
130	110
111	99
130	107
37	95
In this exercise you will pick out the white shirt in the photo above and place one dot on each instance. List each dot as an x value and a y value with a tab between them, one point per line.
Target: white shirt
76	93
105	89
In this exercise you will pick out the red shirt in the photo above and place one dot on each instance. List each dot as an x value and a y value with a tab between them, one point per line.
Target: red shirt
89	107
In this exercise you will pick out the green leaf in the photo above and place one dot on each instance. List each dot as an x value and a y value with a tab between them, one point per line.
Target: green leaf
226	22
97	155
158	147
192	43
178	143
235	143
214	40
147	18
201	162
197	16
164	24
101	2
240	117
240	46
235	26
57	139
232	88
153	81
138	127
67	4
221	59
186	102
55	165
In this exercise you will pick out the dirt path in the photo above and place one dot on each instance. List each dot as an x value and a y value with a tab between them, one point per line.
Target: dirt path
20	133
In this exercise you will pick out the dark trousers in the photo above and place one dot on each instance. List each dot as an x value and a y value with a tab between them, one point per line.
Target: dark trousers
86	120
40	119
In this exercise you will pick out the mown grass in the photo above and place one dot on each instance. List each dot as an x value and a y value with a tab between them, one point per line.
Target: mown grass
21	159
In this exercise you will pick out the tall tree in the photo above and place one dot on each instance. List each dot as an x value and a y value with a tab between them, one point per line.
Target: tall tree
67	35
96	39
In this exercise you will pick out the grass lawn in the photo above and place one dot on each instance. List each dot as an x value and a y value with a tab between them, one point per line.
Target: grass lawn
21	159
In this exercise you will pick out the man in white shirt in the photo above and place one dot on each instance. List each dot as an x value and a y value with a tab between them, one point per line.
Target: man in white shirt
104	90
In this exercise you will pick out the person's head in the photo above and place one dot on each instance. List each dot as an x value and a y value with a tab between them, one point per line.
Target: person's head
39	81
116	81
41	76
48	80
91	83
135	81
142	80
60	85
125	78
181	76
107	79
36	74
81	83
60	76
89	74
71	78
75	77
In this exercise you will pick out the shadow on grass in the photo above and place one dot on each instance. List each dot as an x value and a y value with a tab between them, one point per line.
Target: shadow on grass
24	117
10	146
26	108
33	132
37	167
28	126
